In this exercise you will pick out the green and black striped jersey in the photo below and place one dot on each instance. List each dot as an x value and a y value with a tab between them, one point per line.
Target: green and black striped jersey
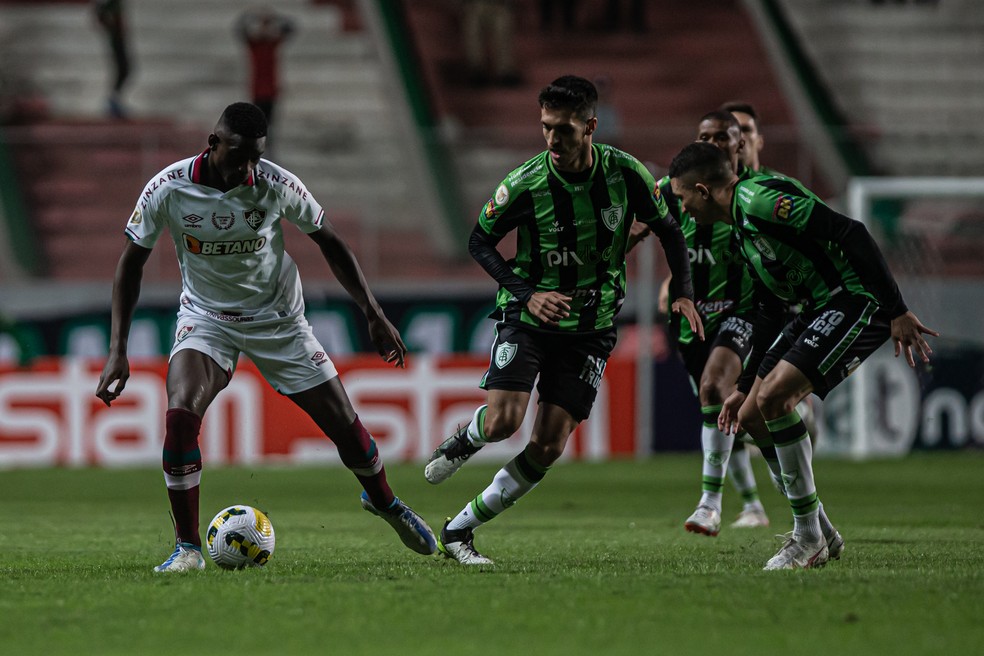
722	283
572	231
801	250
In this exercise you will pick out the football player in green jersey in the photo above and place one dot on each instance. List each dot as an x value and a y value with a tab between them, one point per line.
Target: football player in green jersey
754	140
571	207
797	248
723	295
751	133
722	288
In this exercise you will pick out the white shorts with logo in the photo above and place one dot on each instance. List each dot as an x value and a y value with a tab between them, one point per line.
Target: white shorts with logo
284	350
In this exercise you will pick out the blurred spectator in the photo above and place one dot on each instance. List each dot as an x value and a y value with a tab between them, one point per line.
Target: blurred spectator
567	11
609	130
636	15
488	38
110	14
264	30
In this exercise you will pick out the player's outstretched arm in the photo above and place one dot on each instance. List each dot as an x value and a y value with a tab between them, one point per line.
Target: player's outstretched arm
907	334
126	292
343	264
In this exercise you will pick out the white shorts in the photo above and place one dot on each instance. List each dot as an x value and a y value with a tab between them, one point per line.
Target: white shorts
285	351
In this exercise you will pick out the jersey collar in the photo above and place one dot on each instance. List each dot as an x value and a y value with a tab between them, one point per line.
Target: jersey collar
198	166
566	181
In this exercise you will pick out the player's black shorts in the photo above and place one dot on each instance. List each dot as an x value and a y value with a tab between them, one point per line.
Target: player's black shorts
570	366
827	344
734	334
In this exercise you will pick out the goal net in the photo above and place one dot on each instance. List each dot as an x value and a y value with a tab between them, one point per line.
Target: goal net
931	231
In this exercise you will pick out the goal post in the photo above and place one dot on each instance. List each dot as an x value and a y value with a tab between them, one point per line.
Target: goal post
931	231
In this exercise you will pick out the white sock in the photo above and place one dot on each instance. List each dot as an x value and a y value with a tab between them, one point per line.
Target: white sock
717	451
476	428
796	461
511	483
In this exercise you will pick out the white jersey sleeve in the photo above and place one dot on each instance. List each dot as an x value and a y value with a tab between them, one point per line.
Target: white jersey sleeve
149	218
300	207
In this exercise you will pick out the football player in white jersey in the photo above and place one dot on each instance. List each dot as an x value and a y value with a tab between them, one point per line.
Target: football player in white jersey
241	293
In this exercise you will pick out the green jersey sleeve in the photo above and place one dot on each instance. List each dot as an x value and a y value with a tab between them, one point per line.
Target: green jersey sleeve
503	213
776	199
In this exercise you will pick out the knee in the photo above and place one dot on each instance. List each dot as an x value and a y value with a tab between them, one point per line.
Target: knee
750	418
545	454
774	402
501	423
710	393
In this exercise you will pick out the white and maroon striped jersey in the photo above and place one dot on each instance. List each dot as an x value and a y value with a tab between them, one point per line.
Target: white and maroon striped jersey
230	244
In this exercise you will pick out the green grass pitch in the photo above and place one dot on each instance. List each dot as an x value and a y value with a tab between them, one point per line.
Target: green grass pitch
594	561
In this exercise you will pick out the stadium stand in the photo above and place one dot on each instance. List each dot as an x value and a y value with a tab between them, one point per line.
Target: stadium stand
908	74
663	79
333	130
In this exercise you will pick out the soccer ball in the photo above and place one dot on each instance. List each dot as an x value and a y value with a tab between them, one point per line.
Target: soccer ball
240	536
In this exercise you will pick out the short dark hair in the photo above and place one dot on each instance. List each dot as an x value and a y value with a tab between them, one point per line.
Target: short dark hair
721	115
245	119
573	93
709	162
740	106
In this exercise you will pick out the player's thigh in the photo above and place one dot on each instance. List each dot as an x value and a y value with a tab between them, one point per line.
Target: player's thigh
202	360
780	391
551	429
517	357
328	405
573	370
193	381
504	413
838	337
289	356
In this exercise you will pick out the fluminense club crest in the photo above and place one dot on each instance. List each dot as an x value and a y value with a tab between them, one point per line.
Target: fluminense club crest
504	354
254	218
612	216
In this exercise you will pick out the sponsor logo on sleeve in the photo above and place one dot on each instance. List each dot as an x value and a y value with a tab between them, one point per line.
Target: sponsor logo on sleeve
783	208
657	194
490	211
501	195
319	358
183	332
135	218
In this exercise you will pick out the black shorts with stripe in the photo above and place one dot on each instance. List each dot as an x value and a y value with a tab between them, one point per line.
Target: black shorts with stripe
570	365
828	343
734	334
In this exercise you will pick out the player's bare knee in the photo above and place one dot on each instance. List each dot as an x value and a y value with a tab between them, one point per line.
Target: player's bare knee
545	453
711	392
774	402
750	418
